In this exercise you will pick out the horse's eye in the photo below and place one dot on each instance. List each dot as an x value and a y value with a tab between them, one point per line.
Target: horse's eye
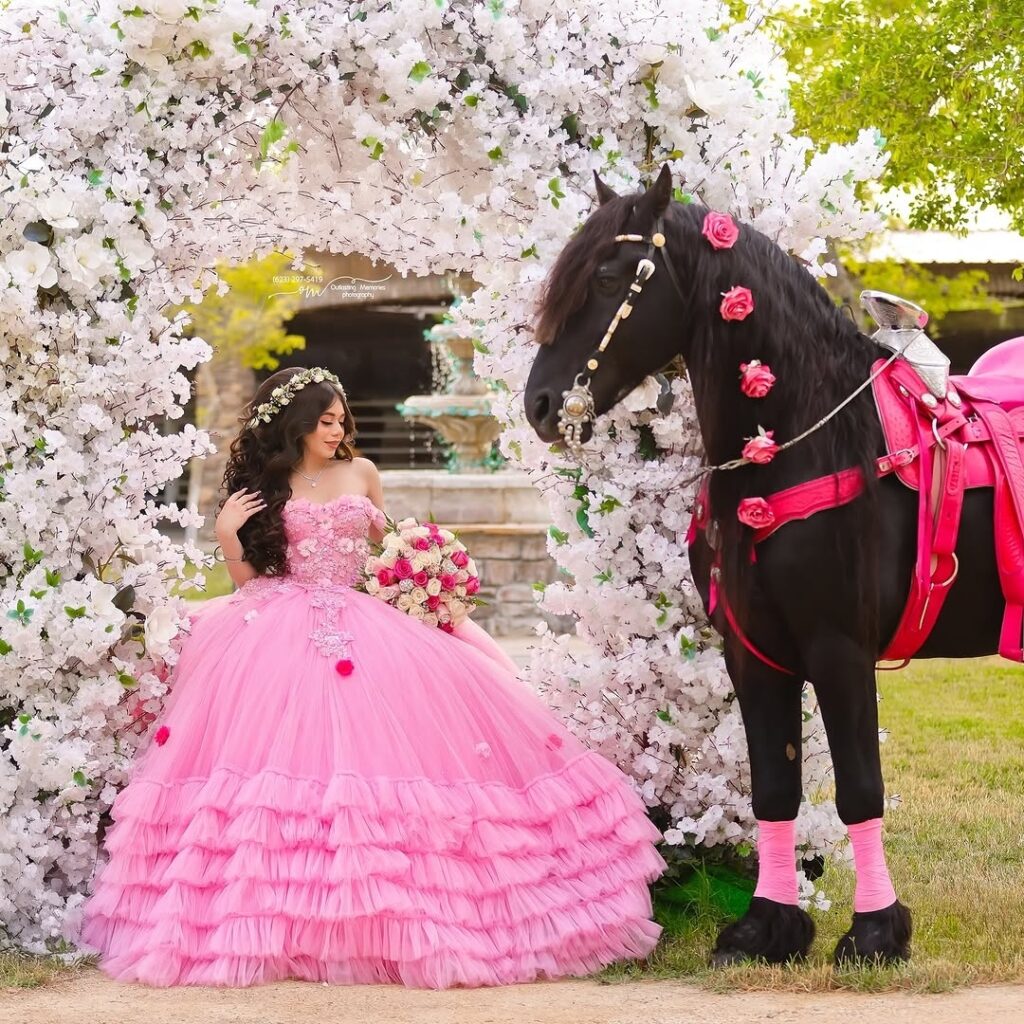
607	283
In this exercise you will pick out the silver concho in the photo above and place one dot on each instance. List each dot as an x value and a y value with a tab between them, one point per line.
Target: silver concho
577	410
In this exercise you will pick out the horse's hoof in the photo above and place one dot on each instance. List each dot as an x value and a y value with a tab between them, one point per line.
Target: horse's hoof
876	937
775	933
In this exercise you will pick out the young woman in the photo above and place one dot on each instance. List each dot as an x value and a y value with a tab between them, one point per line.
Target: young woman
337	792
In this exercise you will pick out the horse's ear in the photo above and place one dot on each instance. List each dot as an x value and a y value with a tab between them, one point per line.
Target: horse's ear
656	199
604	193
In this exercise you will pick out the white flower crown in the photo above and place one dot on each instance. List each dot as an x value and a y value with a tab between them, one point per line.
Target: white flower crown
284	393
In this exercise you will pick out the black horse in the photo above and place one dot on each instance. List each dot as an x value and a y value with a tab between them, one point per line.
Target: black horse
823	594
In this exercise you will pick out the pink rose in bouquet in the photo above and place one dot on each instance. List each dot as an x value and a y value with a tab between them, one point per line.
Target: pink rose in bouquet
424	571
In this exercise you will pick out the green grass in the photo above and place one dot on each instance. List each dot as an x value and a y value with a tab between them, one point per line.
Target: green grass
218	582
955	755
18	970
955	845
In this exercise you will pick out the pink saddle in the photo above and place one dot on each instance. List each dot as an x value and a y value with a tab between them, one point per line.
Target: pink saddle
971	437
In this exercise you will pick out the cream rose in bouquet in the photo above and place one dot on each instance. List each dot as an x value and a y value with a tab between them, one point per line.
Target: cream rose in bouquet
424	571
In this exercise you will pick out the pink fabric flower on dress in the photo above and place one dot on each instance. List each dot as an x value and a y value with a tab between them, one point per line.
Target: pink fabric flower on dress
344	667
403	569
755	513
756	378
737	303
483	749
161	736
554	741
761	449
720	230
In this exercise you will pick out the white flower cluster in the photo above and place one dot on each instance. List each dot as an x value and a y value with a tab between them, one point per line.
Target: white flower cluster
145	144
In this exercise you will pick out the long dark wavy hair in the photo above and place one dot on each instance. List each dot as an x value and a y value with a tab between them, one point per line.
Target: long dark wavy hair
263	457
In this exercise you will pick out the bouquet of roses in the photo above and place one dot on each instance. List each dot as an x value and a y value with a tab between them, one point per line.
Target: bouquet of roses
423	571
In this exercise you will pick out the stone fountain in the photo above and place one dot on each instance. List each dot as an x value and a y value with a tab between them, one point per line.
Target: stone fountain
461	415
500	516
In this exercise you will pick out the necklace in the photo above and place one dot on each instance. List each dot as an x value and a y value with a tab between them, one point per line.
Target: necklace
312	479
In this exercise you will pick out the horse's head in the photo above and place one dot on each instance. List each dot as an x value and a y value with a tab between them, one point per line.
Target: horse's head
595	289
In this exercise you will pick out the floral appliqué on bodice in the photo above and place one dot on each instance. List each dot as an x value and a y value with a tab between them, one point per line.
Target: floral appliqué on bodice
328	545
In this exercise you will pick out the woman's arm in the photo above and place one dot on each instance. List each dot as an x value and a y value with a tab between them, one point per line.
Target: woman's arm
374	491
235	513
239	569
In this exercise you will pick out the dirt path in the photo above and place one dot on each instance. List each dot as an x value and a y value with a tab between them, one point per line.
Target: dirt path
91	999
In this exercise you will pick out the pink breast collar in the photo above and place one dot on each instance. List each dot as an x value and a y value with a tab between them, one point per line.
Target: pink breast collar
939	448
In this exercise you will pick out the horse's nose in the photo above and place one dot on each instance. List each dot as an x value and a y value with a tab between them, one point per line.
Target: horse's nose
540	406
542	412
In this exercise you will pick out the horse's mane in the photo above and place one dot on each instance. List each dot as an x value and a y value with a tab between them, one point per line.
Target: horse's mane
566	286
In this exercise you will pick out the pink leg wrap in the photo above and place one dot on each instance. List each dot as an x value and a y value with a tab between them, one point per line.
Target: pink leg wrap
874	888
776	874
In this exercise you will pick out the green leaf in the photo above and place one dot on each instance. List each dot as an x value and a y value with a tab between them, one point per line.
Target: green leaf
583	521
75	613
420	70
126	680
540	587
664	716
32	556
652	92
273	132
238	38
38	594
198	49
494	154
471	101
79	778
604	577
374	145
134	12
5	647
52	577
557	535
527	253
95	176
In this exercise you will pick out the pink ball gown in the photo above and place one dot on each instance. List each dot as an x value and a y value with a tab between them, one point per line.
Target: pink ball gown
347	795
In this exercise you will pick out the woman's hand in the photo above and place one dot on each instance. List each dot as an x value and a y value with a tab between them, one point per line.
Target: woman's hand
237	511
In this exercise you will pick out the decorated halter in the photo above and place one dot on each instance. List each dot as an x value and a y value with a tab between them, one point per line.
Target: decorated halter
578	402
284	393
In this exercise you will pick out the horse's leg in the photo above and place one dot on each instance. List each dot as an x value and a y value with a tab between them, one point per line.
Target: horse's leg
774	928
844	679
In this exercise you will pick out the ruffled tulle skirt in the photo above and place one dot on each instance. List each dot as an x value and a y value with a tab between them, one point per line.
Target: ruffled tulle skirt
346	795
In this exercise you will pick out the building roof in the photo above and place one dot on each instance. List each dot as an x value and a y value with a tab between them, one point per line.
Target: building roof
976	247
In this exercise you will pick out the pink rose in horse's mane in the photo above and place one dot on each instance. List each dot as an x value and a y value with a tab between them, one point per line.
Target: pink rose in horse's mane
756	378
720	230
737	303
755	513
761	449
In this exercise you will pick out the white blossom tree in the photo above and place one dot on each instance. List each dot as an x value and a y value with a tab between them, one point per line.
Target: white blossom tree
142	145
